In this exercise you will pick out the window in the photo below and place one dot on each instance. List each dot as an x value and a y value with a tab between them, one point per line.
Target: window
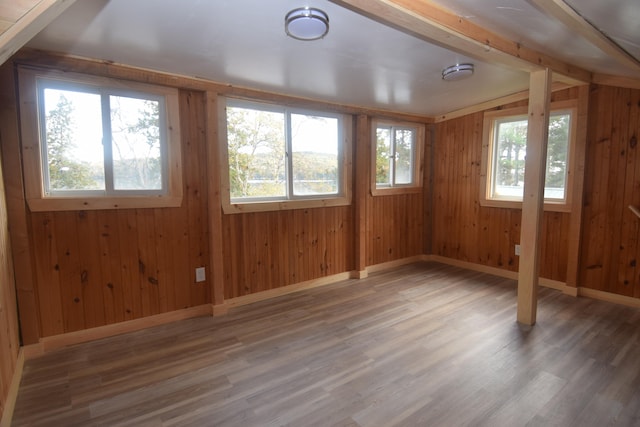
99	143
396	157
281	157
505	133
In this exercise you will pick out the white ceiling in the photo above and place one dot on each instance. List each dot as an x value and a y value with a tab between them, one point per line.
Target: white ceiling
360	62
522	22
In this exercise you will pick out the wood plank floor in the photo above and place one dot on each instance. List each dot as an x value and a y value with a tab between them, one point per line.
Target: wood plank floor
423	345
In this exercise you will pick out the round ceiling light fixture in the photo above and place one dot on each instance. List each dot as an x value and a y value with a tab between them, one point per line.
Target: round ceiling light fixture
457	72
306	23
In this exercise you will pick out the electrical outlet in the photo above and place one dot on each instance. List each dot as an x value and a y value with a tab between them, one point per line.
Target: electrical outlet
518	250
200	274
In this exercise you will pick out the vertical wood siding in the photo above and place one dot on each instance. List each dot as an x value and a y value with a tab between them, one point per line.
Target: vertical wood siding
9	326
395	227
610	231
267	250
96	268
464	230
9	340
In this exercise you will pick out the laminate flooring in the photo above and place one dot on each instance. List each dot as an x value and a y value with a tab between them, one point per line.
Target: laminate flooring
422	345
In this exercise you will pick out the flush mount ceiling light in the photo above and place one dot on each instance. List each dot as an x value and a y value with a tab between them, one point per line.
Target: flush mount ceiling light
306	23
457	72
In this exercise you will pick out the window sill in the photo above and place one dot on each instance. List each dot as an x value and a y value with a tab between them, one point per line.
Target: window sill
511	204
99	203
395	190
269	206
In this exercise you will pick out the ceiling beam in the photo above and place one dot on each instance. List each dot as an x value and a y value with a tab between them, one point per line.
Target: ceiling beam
30	24
619	81
434	24
561	11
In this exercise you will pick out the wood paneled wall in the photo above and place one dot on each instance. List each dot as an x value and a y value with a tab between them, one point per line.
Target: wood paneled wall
610	231
9	327
96	268
395	227
464	230
99	267
9	333
267	250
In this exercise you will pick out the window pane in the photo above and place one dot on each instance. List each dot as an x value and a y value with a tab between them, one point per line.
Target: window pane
256	153
557	153
135	142
314	145
509	157
73	135
510	149
383	156
404	156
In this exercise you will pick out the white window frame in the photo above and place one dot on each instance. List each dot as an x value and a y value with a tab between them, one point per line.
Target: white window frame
417	158
34	147
488	156
289	201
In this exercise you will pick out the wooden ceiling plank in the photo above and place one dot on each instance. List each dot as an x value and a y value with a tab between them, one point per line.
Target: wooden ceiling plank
561	11
430	22
30	24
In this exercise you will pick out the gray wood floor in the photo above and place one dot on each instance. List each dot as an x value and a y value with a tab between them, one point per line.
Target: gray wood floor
423	345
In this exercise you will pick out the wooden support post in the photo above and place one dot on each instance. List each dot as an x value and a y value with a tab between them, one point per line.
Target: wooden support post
17	213
577	169
363	160
533	198
216	262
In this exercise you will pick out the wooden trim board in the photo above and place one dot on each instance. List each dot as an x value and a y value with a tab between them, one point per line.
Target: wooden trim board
285	290
47	344
393	264
507	274
609	297
10	402
310	284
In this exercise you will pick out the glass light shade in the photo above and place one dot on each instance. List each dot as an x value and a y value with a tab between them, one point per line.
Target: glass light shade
306	23
457	72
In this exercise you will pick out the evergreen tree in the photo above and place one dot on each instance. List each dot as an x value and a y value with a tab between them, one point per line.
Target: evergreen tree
65	173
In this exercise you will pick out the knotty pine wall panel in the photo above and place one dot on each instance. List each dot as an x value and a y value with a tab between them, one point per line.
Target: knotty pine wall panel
610	231
395	227
96	268
267	250
464	230
9	338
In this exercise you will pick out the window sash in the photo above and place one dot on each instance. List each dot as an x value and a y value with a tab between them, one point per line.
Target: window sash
290	165
32	144
105	94
494	188
393	134
488	162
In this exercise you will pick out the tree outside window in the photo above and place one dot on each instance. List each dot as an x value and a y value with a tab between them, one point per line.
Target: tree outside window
278	154
508	160
395	155
89	151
